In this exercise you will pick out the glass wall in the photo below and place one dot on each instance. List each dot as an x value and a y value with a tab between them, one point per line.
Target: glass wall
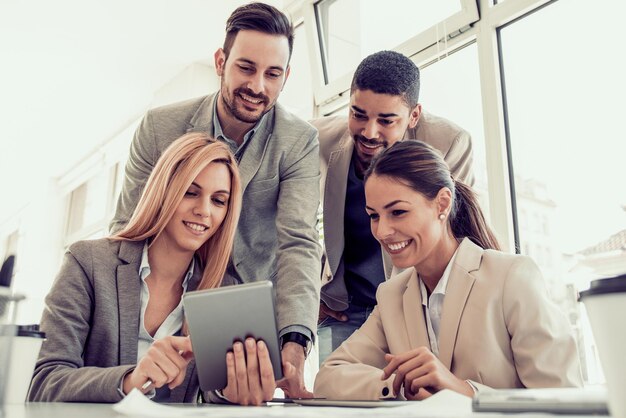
441	84
297	95
564	83
352	29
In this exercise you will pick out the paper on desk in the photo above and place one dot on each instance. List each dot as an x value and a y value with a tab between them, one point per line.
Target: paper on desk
136	404
441	405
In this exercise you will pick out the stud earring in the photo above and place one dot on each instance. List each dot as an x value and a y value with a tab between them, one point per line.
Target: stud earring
442	216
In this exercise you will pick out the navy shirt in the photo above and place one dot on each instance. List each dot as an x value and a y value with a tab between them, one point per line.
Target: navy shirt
362	258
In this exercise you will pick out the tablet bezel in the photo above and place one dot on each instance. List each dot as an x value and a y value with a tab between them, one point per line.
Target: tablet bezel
218	317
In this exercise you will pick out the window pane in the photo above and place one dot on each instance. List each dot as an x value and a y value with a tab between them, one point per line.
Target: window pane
565	89
88	202
441	84
297	95
353	29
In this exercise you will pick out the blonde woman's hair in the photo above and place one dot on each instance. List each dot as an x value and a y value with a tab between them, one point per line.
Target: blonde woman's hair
170	179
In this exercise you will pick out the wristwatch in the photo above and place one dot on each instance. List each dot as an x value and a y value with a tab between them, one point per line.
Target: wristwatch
296	337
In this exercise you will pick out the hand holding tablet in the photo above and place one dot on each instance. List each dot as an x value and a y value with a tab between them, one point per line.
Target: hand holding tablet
250	374
233	329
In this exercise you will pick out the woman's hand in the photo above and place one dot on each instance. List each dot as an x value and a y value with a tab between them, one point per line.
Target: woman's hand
422	374
165	363
250	374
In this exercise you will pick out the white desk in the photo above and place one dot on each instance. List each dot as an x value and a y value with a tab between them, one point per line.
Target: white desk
85	410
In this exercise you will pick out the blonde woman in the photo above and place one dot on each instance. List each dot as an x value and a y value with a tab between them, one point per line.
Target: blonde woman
114	319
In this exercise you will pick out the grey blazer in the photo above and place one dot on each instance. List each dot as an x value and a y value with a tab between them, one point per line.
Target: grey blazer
336	146
91	321
276	238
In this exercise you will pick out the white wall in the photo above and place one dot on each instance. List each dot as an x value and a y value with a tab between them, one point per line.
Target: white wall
40	226
43	214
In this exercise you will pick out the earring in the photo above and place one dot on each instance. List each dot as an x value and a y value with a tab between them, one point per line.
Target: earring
442	216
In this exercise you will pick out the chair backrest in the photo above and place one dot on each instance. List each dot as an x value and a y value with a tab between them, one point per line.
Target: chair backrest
6	272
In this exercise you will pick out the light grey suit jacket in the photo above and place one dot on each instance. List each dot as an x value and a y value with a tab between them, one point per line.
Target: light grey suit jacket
498	329
276	238
336	147
91	321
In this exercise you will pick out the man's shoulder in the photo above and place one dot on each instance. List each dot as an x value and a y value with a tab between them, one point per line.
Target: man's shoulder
431	126
331	130
439	132
178	110
330	126
287	124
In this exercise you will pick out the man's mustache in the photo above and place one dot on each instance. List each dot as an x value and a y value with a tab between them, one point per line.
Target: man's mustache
368	141
252	94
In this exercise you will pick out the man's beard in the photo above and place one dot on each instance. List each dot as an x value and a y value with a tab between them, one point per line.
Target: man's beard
244	116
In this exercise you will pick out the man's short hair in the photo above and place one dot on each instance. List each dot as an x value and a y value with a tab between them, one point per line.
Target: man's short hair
260	17
388	72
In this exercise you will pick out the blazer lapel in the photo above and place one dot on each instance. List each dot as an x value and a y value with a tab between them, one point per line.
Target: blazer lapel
129	299
202	120
335	196
460	285
414	314
255	149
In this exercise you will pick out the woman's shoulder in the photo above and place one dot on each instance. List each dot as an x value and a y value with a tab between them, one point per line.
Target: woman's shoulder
508	261
91	245
96	250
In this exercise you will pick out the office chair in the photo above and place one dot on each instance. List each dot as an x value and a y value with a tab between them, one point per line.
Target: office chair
6	272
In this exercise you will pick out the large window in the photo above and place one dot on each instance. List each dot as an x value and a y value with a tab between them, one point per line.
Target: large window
565	86
297	95
92	203
441	83
353	29
349	30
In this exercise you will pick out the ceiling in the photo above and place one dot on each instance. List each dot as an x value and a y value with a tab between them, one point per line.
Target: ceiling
76	72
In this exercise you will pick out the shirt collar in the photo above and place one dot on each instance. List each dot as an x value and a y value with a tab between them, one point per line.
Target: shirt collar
442	285
144	267
218	133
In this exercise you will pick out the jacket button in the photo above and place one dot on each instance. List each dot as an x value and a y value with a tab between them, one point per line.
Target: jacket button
385	391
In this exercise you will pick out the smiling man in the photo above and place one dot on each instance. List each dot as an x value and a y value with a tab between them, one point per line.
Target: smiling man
278	156
383	109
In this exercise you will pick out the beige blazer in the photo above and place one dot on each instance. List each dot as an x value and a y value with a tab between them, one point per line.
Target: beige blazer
498	329
336	146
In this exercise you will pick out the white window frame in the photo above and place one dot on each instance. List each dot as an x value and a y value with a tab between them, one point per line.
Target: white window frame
109	158
478	22
335	91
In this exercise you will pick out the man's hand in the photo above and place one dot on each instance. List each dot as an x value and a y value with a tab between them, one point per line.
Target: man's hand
250	374
422	374
293	371
325	312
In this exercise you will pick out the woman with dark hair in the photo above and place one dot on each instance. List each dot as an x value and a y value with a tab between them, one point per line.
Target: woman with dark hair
462	315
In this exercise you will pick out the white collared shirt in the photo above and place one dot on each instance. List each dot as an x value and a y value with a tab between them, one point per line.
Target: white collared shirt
174	321
433	306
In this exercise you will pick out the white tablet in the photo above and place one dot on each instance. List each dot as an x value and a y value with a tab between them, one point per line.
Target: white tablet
219	317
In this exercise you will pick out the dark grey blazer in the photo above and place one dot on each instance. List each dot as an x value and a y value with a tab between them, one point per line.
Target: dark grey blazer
91	321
